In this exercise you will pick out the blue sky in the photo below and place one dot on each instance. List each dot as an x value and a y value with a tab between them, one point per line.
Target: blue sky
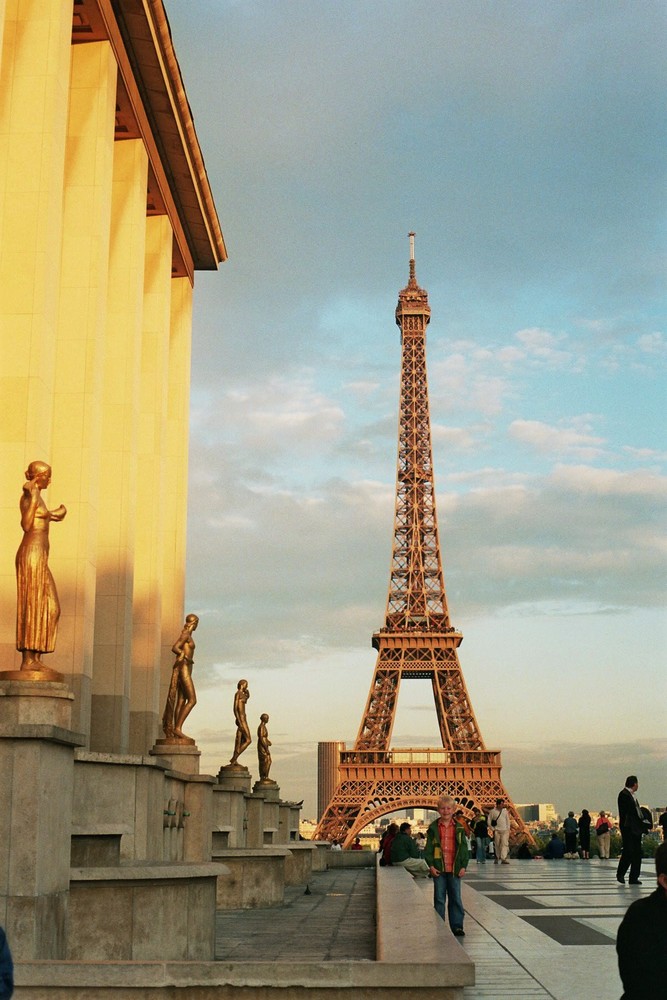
524	143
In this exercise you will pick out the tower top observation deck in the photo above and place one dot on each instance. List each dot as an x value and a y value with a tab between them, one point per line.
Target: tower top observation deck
412	300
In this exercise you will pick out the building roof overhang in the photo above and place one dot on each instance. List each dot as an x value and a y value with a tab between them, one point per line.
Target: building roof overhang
152	103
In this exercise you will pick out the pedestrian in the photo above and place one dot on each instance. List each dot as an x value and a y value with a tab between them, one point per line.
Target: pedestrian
447	857
6	968
462	819
335	846
570	829
603	832
480	831
631	823
662	822
356	846
499	819
404	852
641	943
585	833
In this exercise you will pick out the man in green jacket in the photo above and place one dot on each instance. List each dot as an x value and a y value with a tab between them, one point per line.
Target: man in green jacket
447	856
404	852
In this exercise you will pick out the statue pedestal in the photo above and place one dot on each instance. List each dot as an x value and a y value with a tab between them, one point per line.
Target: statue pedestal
267	788
28	702
180	754
234	778
43	674
36	754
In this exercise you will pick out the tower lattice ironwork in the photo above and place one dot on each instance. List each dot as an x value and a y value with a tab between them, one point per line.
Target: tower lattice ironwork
417	640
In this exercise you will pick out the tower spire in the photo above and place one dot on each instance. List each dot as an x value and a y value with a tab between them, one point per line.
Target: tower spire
413	279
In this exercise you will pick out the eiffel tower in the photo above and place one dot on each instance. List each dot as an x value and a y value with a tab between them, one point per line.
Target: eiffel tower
417	641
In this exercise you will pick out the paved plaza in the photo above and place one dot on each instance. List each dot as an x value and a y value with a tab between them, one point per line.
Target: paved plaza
547	928
535	929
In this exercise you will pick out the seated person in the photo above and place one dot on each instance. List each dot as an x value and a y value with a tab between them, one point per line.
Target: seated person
384	850
555	848
404	852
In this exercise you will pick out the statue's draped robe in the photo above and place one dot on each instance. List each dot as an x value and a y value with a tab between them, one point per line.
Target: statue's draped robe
37	607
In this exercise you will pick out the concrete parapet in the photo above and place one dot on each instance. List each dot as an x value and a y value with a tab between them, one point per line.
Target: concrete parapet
350	859
223	980
256	877
424	938
320	856
299	863
122	790
140	912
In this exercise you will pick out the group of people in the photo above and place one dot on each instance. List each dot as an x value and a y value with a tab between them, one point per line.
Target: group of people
582	828
633	822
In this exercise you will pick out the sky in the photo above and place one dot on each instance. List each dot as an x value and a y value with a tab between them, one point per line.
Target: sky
524	144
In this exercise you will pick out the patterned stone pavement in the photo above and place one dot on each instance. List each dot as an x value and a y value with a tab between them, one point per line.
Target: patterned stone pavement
335	920
547	928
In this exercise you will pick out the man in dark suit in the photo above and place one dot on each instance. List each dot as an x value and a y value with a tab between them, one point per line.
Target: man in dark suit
642	955
631	824
6	969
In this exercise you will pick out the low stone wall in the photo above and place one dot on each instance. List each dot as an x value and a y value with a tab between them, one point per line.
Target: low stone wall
139	912
254	877
408	926
351	859
231	981
299	865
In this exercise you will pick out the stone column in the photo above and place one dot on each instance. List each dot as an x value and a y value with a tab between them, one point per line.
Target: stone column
80	349
175	496
34	95
150	526
120	437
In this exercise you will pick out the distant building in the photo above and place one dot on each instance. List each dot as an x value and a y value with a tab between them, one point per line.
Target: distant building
328	759
538	812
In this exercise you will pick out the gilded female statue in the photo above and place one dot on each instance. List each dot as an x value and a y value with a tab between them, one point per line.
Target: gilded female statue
243	737
181	697
38	607
263	752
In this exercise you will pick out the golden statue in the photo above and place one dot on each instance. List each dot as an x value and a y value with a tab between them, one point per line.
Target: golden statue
263	752
38	607
181	697
243	737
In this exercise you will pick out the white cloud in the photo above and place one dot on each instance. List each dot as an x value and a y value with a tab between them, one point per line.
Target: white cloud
596	482
544	348
576	440
653	343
